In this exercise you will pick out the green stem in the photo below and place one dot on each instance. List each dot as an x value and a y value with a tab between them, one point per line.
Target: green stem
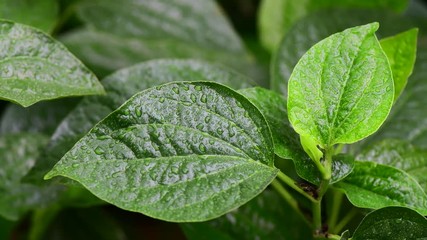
285	194
345	220
291	183
317	215
336	205
329	152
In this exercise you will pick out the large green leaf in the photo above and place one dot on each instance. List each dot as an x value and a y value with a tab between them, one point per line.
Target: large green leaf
35	67
393	223
18	153
319	25
399	154
42	117
41	14
342	89
179	152
262	218
286	140
120	86
401	51
375	186
276	17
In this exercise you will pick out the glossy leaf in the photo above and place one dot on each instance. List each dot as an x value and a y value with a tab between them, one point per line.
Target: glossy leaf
375	186
401	51
262	218
342	89
41	14
319	25
177	152
120	86
42	117
18	153
399	154
35	67
276	17
392	223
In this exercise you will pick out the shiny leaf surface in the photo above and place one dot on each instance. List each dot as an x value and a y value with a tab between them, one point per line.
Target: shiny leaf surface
35	67
399	154
375	186
41	14
319	25
276	17
262	218
401	51
342	89
120	86
392	223
178	152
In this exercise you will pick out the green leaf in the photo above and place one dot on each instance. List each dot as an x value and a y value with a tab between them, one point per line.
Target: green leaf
42	117
120	86
320	25
41	14
262	218
392	223
35	67
341	90
345	235
105	52
177	152
276	17
173	19
18	153
375	186
399	154
286	141
401	51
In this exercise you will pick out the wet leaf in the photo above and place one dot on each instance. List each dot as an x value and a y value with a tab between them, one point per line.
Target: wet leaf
35	67
341	90
177	152
262	218
375	186
120	86
18	153
399	154
401	51
276	17
41	14
392	223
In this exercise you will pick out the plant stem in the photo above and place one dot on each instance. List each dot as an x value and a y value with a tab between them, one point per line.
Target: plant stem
317	215
291	183
336	205
345	220
285	194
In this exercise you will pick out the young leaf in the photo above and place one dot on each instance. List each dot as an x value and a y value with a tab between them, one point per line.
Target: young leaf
342	89
399	154
375	186
120	86
392	223
262	218
35	67
177	152
41	14
401	51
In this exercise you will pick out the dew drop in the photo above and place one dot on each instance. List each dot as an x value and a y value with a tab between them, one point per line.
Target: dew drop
75	165
198	88
207	119
199	126
202	147
204	99
175	169
220	131
138	112
186	103
84	147
162	100
126	112
176	90
193	98
102	137
99	151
